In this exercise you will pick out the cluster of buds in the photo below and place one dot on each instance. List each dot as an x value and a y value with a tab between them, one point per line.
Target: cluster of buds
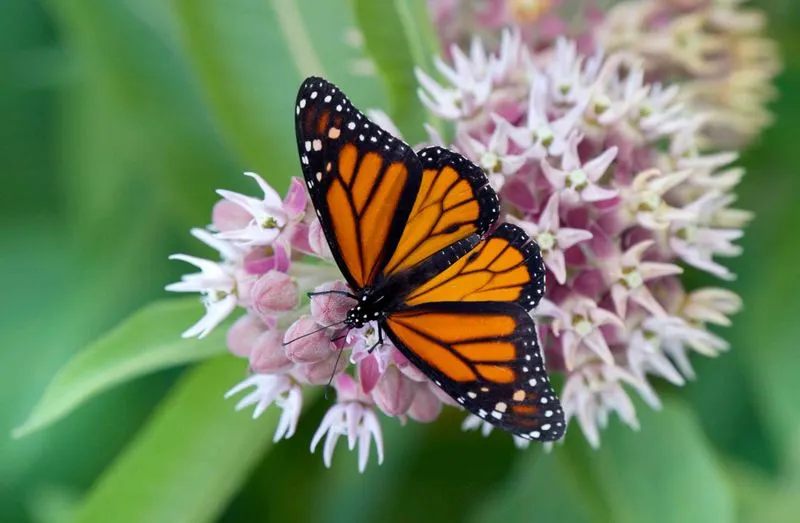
604	170
273	252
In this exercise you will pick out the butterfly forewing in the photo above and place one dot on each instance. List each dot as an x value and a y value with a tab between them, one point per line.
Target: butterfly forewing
487	357
361	179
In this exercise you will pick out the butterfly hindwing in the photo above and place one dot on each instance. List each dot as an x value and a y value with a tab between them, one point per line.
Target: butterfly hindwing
454	202
487	357
505	267
361	179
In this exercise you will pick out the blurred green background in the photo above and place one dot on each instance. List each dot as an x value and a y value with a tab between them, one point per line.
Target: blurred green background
119	118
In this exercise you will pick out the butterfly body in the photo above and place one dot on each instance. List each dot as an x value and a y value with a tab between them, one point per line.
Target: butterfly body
410	233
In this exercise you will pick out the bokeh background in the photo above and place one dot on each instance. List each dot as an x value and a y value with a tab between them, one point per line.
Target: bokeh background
119	119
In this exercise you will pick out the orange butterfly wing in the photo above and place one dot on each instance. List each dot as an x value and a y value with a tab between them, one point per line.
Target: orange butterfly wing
361	179
507	267
454	202
487	357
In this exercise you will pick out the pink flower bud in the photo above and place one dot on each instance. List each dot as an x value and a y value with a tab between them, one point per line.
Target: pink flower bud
442	395
408	368
228	216
306	342
242	336
274	292
394	392
328	309
317	241
426	406
268	354
368	373
319	372
265	259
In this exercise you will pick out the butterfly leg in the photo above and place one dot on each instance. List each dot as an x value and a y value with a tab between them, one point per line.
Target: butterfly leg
377	343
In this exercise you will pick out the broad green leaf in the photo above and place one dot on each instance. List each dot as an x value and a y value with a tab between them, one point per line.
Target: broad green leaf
148	341
251	56
189	460
664	473
399	36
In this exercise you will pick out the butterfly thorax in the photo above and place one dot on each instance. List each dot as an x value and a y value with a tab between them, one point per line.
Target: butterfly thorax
371	306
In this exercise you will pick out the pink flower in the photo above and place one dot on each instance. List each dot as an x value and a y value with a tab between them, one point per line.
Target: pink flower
493	157
578	325
269	215
553	239
628	274
271	389
576	180
352	417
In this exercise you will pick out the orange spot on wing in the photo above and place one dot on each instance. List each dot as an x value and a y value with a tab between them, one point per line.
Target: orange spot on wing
496	374
523	409
322	122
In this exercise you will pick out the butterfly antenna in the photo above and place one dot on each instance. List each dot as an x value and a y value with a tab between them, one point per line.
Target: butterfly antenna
322	328
323	293
333	373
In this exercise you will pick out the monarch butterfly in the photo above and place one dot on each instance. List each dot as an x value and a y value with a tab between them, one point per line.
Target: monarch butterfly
409	234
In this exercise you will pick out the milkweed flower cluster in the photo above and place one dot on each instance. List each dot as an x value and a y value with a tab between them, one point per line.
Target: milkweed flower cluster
607	173
603	169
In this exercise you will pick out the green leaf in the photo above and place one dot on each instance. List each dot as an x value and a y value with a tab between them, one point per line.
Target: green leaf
765	499
666	472
663	473
148	341
251	56
400	36
189	460
540	489
769	328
